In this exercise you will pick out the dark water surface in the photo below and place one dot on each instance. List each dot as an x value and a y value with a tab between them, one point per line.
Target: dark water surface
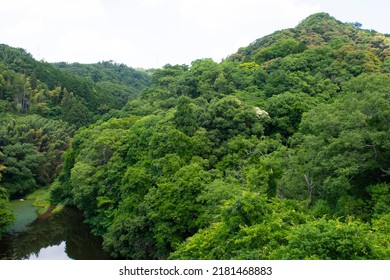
61	236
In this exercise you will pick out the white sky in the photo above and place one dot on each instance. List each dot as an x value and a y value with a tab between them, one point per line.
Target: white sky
152	33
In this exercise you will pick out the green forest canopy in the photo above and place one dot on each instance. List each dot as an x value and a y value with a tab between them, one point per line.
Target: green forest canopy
281	151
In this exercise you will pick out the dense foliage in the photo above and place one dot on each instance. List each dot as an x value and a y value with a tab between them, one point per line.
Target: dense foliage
41	105
281	151
61	91
118	80
31	149
6	216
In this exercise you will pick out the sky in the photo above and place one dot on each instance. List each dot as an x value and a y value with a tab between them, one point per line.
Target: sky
152	33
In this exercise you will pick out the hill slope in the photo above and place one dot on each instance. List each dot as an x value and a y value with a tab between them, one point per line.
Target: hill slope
317	30
41	105
28	86
279	152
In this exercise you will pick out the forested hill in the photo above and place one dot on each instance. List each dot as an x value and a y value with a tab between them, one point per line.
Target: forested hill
318	30
281	151
41	106
75	93
108	71
123	82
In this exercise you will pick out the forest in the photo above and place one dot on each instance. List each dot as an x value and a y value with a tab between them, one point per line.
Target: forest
280	151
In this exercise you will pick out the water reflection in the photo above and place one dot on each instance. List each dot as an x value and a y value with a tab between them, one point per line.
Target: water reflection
47	235
56	252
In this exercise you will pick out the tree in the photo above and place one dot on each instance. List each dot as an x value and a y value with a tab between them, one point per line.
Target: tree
184	117
286	111
230	117
172	208
31	151
22	162
340	149
281	48
6	215
328	240
74	111
249	227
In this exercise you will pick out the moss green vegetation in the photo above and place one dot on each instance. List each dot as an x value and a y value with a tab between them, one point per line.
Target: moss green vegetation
281	151
41	198
57	209
6	213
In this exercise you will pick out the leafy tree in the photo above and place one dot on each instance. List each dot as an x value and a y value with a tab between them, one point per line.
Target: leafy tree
280	49
74	111
172	207
6	215
230	117
328	240
340	149
130	234
250	227
184	117
31	151
381	244
286	111
22	162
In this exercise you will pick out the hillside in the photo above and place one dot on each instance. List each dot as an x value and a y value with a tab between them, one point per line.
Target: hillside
41	106
28	86
119	80
281	151
315	31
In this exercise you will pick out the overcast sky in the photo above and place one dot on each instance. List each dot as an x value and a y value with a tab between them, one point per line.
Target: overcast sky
152	33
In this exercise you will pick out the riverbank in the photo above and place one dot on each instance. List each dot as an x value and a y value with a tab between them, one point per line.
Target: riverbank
41	200
34	206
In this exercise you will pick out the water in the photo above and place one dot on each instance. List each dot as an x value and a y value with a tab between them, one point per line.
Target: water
25	214
61	236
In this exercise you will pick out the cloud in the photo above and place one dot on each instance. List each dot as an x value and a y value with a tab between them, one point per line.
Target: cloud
151	33
39	26
86	46
227	25
54	10
220	15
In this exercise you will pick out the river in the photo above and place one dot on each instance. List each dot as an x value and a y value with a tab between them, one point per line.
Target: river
60	236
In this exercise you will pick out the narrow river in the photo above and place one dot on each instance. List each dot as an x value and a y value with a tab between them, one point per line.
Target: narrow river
62	236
